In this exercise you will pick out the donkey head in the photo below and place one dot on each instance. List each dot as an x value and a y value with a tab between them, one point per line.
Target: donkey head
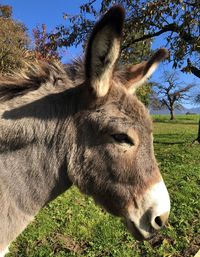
114	149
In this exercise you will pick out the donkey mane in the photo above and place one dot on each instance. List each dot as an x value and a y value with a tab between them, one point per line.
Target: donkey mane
31	78
37	74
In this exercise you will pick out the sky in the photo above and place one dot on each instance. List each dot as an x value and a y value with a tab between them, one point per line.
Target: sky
50	12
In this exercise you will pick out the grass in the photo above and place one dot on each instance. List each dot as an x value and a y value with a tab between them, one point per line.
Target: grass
73	225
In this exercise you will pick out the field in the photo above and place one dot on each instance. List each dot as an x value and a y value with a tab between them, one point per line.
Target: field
73	226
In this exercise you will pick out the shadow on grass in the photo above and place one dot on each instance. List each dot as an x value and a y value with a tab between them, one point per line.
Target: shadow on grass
176	122
170	139
170	143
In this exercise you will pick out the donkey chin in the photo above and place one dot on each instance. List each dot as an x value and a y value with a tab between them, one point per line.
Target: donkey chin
150	214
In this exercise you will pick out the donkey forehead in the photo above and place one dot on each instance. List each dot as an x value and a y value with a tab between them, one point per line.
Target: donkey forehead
121	106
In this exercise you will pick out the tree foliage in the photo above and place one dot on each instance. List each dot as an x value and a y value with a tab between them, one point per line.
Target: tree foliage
5	11
170	94
144	92
178	20
13	41
81	25
43	48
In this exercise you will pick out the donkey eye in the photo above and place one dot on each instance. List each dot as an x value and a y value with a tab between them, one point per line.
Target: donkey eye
123	139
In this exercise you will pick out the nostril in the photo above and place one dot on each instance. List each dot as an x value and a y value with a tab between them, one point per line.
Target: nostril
159	221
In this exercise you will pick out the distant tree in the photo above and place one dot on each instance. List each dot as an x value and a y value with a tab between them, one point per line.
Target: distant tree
144	92
170	93
178	20
13	41
44	49
197	98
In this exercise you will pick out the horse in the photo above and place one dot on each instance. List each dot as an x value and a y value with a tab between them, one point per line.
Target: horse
81	124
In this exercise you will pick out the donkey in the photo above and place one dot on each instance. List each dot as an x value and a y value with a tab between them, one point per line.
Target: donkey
81	124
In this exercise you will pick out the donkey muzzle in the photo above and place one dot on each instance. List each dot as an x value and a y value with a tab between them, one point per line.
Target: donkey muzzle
151	213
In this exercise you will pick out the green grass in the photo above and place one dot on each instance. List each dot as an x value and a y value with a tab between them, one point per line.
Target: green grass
188	119
73	225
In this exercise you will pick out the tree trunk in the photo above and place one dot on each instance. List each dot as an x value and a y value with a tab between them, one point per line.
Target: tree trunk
198	136
172	114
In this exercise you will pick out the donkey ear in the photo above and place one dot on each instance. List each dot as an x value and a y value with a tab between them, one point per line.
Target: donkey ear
103	50
136	75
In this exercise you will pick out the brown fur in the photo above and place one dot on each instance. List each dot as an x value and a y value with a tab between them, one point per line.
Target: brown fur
55	131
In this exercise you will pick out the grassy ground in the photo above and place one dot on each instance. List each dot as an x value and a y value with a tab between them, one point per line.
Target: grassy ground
73	226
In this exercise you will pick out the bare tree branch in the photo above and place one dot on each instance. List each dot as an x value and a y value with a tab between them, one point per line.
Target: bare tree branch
193	69
170	93
173	27
169	27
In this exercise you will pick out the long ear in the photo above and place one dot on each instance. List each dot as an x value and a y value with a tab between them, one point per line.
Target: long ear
136	75
103	50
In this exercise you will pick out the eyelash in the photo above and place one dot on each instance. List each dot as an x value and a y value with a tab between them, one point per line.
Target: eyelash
123	139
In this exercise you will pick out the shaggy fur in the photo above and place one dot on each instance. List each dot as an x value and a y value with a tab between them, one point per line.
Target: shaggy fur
55	131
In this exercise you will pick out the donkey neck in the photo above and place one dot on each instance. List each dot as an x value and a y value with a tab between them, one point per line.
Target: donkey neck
36	141
36	116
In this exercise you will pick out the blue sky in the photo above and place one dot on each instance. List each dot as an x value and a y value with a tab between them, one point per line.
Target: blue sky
37	12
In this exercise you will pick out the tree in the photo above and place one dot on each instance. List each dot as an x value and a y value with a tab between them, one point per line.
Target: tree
13	41
178	20
43	47
197	100
80	27
5	11
198	134
170	94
